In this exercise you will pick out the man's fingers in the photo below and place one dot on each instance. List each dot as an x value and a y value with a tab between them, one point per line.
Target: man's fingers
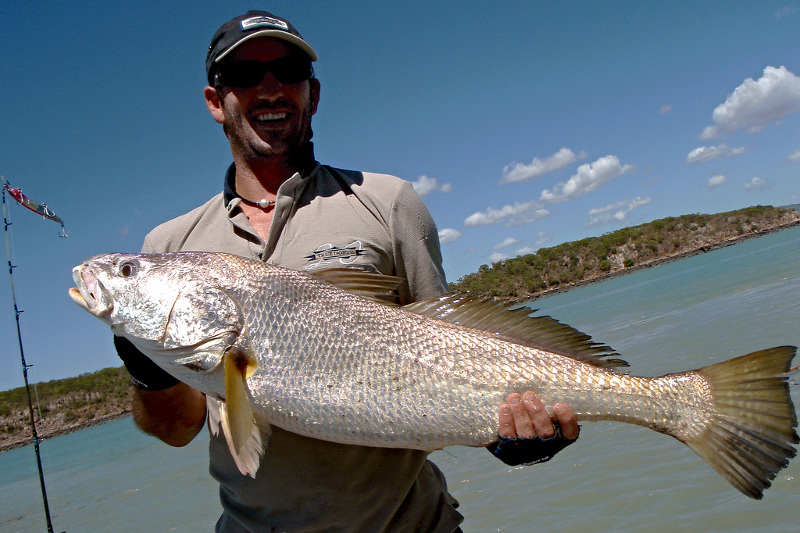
507	428
540	418
526	417
522	420
567	420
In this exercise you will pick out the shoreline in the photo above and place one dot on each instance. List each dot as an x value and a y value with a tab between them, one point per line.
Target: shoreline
57	432
28	440
660	261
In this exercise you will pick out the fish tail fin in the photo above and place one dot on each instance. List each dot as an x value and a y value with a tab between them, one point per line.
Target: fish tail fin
749	438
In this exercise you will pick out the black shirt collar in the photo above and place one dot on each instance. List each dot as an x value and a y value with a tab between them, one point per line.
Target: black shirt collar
305	164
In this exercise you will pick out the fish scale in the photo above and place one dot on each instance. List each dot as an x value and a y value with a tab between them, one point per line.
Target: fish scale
458	353
390	400
284	348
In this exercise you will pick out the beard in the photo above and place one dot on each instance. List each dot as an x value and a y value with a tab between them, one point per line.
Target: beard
255	140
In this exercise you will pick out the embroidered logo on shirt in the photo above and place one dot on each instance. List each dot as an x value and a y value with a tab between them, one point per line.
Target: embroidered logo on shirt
327	253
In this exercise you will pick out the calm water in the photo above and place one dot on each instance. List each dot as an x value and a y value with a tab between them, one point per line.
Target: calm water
617	477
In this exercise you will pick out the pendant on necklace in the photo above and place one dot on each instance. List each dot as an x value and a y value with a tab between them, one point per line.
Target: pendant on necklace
264	203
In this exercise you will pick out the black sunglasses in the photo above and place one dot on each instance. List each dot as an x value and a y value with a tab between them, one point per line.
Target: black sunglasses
247	74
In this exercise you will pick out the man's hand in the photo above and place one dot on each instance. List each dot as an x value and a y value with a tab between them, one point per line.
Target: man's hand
527	433
525	417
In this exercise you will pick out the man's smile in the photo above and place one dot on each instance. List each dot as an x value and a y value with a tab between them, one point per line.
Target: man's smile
269	116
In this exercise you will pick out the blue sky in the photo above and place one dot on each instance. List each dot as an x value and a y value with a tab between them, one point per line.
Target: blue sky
523	124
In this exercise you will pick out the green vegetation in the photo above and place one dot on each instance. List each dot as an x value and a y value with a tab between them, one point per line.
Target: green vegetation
109	381
64	403
576	262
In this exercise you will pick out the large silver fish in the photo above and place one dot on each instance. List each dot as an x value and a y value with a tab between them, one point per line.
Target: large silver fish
271	346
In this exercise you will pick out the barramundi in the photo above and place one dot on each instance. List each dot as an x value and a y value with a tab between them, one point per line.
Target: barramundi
333	357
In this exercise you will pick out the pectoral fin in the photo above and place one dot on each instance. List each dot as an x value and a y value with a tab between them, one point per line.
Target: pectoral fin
236	414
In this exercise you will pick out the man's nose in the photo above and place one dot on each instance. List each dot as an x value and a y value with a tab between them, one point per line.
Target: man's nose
269	84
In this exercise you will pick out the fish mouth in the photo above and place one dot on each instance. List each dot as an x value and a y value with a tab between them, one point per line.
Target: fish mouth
89	292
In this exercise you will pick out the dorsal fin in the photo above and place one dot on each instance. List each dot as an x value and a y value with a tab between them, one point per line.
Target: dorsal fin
370	285
516	325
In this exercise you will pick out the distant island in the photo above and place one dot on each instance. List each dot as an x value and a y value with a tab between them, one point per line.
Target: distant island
573	264
75	403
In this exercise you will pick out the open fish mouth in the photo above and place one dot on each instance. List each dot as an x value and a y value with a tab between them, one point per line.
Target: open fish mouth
89	292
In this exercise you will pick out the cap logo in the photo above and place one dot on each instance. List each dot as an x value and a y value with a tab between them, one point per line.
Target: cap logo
261	21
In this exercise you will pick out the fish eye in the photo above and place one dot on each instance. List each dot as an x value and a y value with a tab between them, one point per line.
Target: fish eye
128	268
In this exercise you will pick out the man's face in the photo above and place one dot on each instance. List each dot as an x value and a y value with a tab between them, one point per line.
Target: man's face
272	118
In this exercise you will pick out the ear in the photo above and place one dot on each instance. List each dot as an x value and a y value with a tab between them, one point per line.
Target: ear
214	104
314	84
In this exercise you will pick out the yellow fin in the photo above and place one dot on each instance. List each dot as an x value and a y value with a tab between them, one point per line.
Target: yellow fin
750	437
248	461
237	417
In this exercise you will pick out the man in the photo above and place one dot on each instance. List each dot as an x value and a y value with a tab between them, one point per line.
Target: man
279	205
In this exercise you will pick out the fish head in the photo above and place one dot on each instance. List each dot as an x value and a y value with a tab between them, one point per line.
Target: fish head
128	292
173	307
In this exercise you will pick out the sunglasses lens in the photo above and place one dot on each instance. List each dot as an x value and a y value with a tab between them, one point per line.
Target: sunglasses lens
291	71
246	74
242	74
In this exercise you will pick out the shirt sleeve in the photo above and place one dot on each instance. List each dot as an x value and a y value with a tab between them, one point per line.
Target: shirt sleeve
418	257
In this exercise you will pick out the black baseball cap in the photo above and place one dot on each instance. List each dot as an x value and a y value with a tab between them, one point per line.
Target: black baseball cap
249	26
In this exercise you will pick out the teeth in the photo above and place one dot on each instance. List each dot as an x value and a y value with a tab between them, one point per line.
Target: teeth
270	116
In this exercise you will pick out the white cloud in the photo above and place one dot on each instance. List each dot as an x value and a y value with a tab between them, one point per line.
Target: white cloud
449	235
519	213
716	181
757	184
588	179
511	241
756	103
612	207
497	256
517	172
665	109
525	250
794	156
616	212
704	154
786	11
425	185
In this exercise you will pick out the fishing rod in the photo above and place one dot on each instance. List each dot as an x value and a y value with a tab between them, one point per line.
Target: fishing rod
46	213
